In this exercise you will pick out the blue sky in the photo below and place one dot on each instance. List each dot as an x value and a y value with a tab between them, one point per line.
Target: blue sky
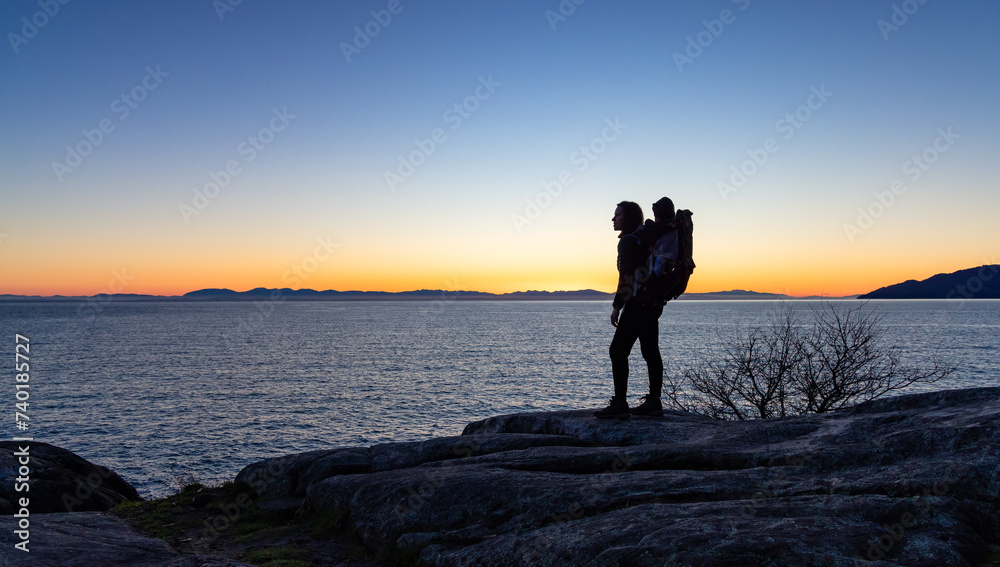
461	216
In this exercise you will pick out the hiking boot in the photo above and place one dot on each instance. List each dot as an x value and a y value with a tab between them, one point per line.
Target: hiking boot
616	408
649	406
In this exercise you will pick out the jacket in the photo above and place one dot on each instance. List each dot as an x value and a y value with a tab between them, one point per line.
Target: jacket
632	256
633	251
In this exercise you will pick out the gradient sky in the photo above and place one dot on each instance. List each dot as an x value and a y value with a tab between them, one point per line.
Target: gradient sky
313	207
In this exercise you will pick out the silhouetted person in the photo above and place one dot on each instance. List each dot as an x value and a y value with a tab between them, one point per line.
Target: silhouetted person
631	316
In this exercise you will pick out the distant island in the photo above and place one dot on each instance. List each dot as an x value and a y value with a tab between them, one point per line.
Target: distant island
415	295
261	293
431	294
973	283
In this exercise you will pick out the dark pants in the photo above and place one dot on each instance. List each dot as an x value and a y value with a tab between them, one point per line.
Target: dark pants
637	322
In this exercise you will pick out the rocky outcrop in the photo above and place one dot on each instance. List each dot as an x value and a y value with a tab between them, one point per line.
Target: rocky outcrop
62	524
93	539
60	480
971	283
291	475
911	480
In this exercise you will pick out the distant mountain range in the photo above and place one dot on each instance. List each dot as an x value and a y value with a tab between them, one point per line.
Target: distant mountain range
430	294
974	283
260	293
420	294
980	283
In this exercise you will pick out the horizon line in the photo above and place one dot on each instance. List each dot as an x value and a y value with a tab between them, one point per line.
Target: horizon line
207	292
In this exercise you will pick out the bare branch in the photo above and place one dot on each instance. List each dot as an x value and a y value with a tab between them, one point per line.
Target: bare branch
783	368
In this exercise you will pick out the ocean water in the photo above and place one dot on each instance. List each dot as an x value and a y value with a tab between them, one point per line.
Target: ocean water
163	392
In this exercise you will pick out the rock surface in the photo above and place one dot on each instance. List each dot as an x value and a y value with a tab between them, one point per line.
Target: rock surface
291	475
61	481
93	539
911	480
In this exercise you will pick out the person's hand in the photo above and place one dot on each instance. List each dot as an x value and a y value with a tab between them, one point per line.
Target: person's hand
614	317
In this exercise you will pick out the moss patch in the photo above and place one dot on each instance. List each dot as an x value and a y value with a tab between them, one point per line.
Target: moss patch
227	520
273	556
992	558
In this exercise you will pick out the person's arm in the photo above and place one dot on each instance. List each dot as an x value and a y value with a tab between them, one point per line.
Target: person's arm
630	256
624	289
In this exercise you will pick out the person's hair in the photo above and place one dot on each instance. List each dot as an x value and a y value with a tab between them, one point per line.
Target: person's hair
633	216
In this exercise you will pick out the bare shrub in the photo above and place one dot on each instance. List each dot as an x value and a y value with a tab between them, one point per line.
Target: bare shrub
787	368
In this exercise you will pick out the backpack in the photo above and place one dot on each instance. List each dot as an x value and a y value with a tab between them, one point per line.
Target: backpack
670	263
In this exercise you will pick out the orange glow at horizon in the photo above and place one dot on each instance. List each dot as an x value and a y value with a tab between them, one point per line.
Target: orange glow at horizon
438	262
164	281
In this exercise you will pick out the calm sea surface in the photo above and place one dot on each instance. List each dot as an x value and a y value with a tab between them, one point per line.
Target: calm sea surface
162	392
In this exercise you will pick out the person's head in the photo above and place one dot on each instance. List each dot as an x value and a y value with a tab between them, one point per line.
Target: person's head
663	210
628	217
